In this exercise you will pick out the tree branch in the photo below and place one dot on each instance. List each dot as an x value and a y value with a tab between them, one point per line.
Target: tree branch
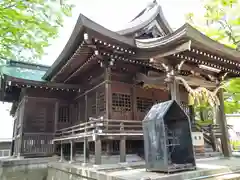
229	33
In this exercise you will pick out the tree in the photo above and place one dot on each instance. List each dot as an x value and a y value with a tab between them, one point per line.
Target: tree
28	25
221	22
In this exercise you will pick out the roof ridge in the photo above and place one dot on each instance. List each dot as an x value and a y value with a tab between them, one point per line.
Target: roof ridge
27	65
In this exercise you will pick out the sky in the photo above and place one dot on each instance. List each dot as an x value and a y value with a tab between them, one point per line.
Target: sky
112	14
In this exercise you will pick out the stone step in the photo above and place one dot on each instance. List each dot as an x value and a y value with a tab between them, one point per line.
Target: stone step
230	176
208	154
208	150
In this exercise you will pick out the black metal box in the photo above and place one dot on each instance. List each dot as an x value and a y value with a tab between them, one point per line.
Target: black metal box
167	139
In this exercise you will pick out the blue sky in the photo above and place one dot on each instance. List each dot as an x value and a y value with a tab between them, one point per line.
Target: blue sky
112	14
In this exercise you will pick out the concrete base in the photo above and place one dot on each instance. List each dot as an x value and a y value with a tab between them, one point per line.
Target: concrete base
50	168
206	168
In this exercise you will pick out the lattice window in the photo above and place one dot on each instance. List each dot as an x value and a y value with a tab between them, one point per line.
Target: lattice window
121	102
144	104
100	102
64	114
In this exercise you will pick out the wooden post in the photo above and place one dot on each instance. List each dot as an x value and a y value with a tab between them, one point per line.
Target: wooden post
223	125
98	151
71	151
122	144
122	149
61	157
213	138
12	153
22	113
85	150
134	102
108	95
85	141
56	118
191	114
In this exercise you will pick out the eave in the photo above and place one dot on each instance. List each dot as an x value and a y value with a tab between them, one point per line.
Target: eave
23	83
195	47
94	31
184	34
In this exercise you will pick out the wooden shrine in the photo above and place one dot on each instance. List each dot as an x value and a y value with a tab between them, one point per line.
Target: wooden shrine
95	95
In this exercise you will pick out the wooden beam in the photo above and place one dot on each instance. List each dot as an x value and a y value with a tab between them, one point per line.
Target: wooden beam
150	80
81	50
180	48
90	90
194	81
196	69
83	66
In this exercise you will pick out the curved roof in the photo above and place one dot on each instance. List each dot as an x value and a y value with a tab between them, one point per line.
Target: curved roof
185	33
26	71
84	24
153	12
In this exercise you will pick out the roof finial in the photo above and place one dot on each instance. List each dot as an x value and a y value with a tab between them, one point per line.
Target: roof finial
151	5
156	2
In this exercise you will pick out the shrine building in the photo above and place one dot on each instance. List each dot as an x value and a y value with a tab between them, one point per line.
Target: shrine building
93	98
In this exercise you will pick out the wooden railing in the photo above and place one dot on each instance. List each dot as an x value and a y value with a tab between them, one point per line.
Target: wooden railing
101	127
37	144
210	133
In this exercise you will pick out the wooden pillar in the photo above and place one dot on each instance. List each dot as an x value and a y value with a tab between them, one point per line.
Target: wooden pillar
213	139
71	151
22	113
13	144
56	118
122	149
191	114
85	151
61	156
108	95
85	141
134	102
223	125
108	92
98	151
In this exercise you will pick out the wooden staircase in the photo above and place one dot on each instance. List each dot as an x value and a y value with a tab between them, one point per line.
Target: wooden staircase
210	134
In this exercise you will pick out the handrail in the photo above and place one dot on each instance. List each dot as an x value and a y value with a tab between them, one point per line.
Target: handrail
101	126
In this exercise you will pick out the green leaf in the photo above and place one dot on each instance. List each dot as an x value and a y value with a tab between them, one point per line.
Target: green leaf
221	22
27	26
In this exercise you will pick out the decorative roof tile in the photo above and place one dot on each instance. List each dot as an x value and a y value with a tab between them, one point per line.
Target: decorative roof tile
22	70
